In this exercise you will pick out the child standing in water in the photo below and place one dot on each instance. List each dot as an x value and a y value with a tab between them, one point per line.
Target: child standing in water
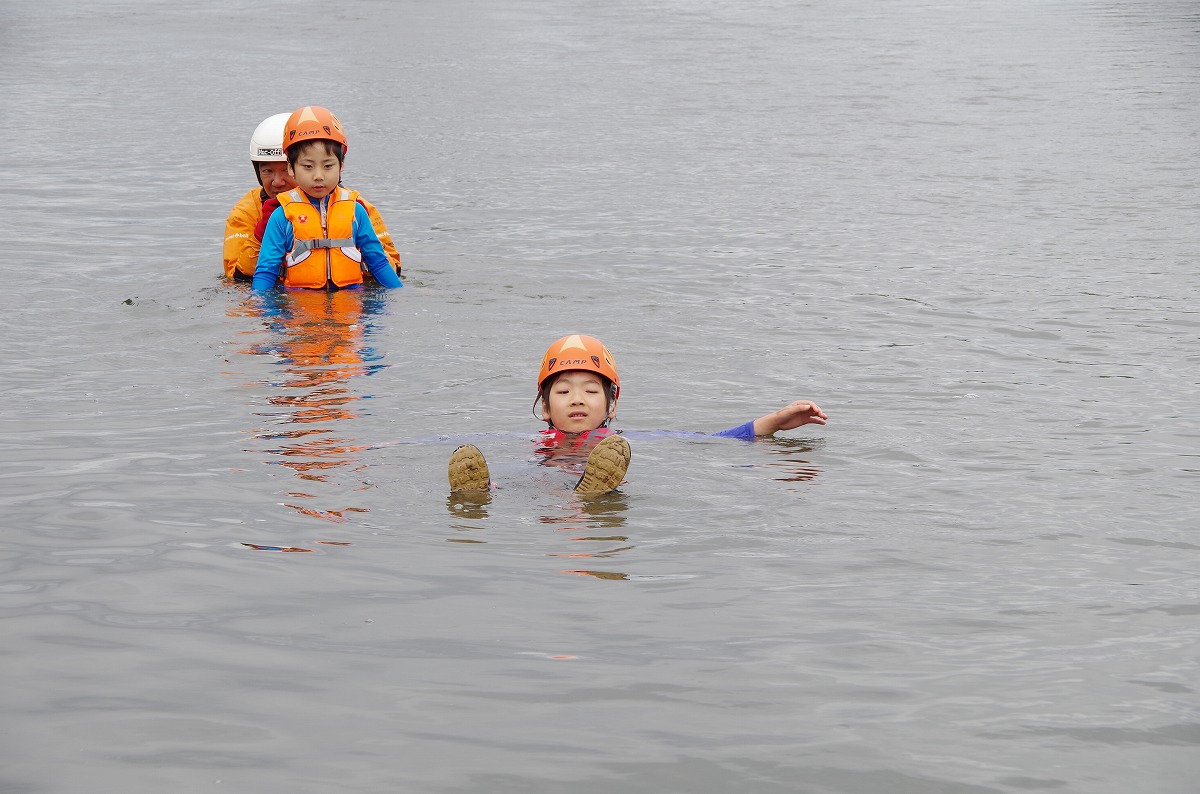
246	221
321	235
578	388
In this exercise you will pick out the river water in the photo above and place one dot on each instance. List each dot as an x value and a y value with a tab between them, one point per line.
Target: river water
967	230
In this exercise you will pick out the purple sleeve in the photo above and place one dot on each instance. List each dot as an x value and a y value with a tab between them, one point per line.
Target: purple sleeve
744	432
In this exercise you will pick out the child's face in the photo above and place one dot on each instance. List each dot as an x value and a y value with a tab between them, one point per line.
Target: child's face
274	178
317	172
578	402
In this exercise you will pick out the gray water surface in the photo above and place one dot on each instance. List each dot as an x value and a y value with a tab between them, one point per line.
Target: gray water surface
967	230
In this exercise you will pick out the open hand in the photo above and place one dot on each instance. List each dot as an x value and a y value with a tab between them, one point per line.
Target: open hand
801	412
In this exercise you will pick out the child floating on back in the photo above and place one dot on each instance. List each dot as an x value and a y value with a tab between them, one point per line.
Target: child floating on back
321	235
578	388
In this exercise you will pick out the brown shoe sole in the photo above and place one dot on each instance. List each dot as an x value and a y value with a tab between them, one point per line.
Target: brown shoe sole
468	470
605	467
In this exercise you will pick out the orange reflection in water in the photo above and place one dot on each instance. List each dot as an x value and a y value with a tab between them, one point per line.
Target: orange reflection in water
321	343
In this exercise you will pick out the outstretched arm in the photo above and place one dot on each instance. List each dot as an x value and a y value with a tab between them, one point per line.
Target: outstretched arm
801	412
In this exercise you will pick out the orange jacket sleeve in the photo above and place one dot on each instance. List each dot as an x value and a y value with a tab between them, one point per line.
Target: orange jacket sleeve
381	231
241	248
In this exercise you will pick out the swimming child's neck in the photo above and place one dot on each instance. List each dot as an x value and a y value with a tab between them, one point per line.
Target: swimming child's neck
554	431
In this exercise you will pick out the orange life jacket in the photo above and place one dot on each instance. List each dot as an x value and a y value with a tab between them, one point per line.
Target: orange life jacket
324	250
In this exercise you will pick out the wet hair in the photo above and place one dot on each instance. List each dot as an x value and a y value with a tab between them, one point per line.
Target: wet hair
543	398
331	147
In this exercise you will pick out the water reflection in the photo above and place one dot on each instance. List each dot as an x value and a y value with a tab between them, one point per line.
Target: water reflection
612	576
294	549
468	505
322	343
593	521
790	457
584	520
594	527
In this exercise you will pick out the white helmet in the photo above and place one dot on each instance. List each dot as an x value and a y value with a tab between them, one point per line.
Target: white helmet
266	144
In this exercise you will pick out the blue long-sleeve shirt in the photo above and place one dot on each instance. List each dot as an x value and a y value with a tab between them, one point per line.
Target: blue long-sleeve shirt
279	237
745	432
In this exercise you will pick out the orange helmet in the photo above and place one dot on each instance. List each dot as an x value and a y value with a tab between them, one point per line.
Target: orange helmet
579	352
312	123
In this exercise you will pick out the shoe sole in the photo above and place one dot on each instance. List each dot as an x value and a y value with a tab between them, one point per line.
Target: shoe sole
468	470
605	467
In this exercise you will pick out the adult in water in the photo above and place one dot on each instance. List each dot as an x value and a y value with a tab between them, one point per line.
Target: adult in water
243	227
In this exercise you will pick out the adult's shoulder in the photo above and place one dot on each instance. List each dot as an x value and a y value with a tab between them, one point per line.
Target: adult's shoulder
248	205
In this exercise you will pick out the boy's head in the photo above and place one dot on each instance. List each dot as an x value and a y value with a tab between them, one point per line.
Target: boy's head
316	148
578	385
311	123
267	158
315	145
